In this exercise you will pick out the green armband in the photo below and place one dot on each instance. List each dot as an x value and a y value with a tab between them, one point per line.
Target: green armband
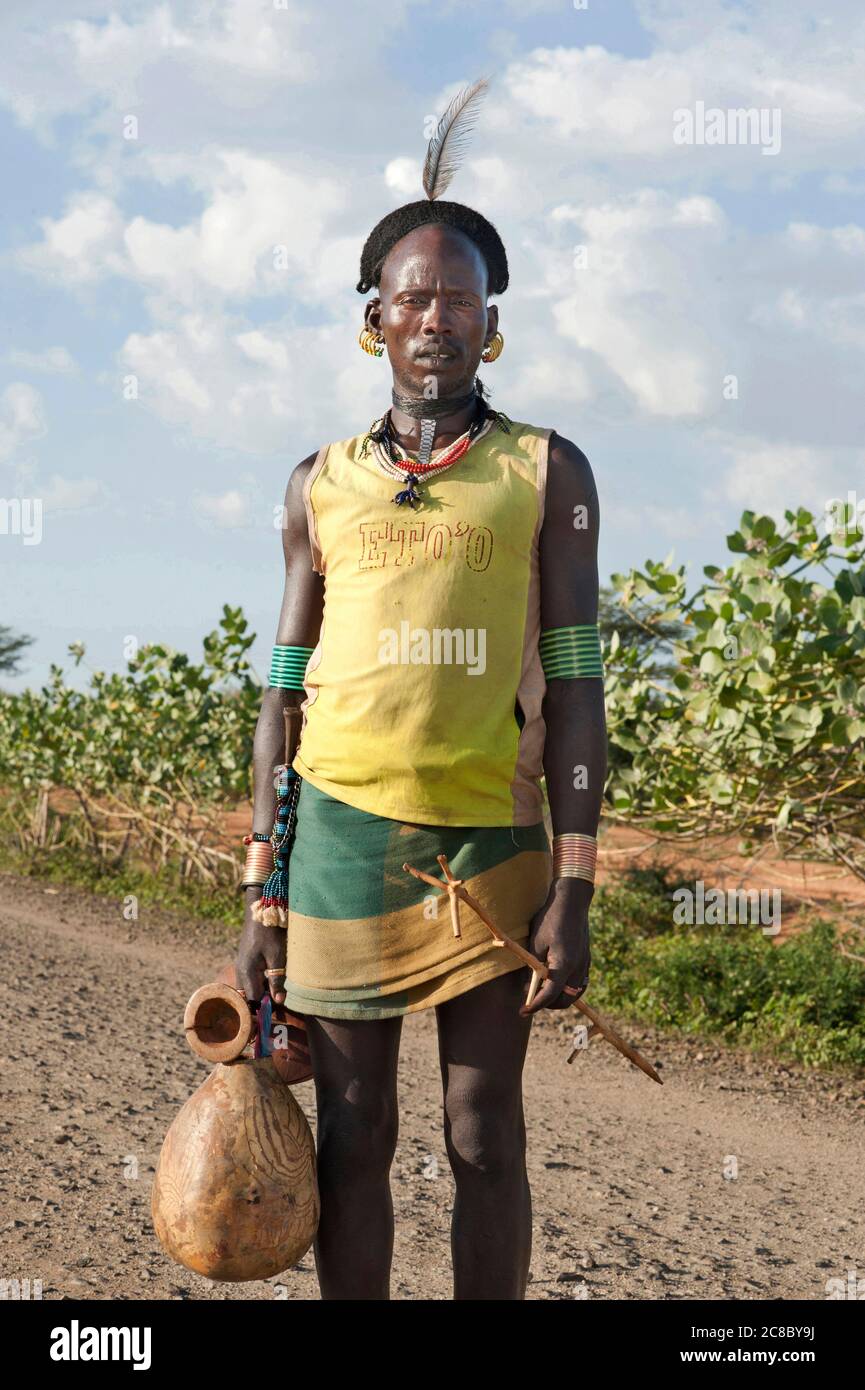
288	667
570	652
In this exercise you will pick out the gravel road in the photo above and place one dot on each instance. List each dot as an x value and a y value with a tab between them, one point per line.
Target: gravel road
737	1178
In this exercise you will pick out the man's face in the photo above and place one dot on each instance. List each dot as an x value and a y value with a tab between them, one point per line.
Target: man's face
433	311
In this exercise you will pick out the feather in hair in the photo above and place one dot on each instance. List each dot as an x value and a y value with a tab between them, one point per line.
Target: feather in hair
448	141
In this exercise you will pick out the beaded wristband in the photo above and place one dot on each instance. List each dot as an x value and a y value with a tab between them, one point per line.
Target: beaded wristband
288	667
575	856
570	652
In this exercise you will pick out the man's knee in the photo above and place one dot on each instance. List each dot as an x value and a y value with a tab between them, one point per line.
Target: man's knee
358	1130
485	1136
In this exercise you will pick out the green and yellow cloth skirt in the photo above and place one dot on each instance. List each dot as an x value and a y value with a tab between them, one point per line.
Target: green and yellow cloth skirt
368	940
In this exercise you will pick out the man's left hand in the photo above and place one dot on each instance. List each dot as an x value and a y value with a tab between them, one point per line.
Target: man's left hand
559	936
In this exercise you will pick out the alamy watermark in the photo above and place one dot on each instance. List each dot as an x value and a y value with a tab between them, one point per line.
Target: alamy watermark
77	1343
20	1290
716	907
845	518
853	1287
21	516
438	646
738	125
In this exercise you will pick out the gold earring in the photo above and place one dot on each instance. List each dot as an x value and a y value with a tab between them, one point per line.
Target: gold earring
493	348
371	341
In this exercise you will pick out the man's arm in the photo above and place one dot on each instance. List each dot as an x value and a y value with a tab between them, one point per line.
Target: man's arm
575	752
299	625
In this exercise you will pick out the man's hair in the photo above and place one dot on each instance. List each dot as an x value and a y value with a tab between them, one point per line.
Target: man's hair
401	221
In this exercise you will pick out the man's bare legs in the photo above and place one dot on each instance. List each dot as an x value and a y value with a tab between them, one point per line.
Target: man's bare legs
355	1065
482	1048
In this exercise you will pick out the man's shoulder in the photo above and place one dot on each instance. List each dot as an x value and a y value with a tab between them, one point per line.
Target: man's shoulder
568	465
349	447
558	446
301	471
519	439
568	469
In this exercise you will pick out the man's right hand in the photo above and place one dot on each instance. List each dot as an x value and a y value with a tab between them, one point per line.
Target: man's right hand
261	948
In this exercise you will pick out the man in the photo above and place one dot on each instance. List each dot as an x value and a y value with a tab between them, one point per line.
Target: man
441	624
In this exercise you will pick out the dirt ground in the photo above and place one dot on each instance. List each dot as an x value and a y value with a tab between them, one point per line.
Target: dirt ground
628	1178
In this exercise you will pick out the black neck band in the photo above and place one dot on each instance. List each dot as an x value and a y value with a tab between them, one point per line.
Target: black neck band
434	409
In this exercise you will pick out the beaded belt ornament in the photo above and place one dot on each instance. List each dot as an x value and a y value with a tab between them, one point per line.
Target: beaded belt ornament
272	907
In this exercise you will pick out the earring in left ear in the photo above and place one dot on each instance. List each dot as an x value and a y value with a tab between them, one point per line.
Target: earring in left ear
371	341
493	348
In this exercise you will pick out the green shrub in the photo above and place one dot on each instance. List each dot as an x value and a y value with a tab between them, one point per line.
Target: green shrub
802	999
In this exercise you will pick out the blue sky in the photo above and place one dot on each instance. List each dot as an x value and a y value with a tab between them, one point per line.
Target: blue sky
257	125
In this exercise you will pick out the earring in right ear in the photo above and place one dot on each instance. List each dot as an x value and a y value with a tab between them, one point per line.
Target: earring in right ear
493	348
371	341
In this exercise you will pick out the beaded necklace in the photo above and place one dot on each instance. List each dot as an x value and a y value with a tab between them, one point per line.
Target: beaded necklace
394	460
411	472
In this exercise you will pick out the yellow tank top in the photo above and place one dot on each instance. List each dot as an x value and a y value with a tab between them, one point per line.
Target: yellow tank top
429	639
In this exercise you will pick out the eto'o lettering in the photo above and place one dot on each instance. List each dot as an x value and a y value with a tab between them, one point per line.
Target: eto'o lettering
404	543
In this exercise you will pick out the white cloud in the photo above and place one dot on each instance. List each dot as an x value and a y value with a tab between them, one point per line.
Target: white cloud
69	494
63	64
771	476
253	390
262	229
403	176
157	358
674	522
661	300
267	351
22	417
631	303
598	104
549	380
235	34
83	245
227	510
193	72
261	220
840	183
849	239
51	359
